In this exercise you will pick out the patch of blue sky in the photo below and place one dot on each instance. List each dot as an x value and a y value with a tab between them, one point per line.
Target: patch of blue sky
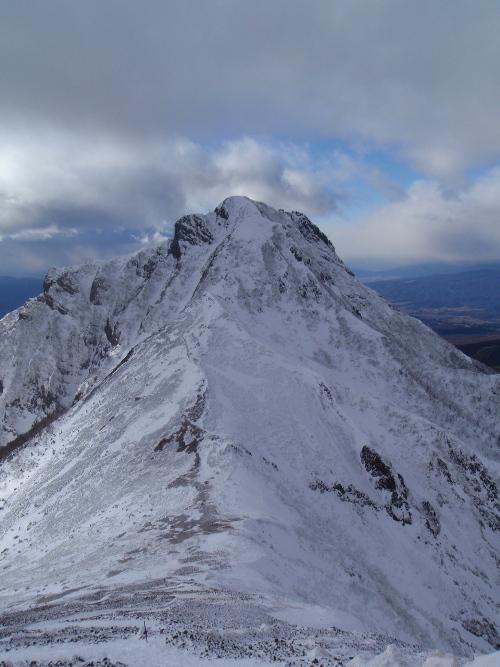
363	178
385	161
477	173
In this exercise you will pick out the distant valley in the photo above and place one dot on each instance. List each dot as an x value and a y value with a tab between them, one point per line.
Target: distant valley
463	308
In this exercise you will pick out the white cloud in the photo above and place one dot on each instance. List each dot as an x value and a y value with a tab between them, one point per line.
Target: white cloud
65	181
40	234
275	174
60	185
153	239
428	224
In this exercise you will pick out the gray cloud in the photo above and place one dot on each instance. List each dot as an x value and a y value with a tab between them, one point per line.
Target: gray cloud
421	76
122	116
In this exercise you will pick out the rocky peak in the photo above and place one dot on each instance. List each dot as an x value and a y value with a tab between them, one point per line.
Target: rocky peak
260	262
239	383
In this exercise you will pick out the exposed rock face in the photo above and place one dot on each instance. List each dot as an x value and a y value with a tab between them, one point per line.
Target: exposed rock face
234	408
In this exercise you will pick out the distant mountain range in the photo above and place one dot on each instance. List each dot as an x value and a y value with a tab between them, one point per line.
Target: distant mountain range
420	270
477	291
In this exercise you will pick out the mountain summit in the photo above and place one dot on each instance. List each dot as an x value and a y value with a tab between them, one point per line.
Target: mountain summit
234	410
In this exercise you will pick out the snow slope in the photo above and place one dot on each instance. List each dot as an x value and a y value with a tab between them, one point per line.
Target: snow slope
234	411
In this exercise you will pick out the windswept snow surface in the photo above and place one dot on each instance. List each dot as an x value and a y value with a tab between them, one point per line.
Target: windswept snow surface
233	414
193	628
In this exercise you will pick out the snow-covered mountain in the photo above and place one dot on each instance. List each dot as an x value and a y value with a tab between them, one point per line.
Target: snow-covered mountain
233	410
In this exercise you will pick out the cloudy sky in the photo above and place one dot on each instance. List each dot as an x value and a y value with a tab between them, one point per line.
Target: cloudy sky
379	119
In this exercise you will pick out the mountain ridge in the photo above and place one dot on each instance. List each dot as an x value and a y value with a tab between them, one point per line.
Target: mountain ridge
87	285
251	418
